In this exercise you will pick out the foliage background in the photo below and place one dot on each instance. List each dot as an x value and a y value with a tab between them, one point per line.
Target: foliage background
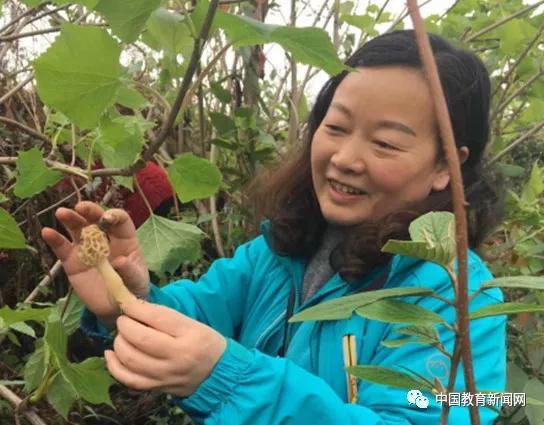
65	109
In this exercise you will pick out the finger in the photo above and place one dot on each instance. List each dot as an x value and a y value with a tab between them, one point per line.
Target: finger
118	223
90	210
128	271
158	317
72	222
60	246
126	376
148	340
138	361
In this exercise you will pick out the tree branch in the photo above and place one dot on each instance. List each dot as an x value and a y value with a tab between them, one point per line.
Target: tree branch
30	415
446	131
521	139
26	129
503	21
186	83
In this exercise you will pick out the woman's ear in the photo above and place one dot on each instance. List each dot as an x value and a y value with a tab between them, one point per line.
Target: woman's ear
442	177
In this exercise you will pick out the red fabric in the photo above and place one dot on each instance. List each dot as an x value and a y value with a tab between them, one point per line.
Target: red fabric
157	189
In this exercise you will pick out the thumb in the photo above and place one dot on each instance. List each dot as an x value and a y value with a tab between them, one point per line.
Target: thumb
128	271
161	318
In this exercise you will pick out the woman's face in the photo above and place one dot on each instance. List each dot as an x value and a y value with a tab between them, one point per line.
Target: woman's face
376	148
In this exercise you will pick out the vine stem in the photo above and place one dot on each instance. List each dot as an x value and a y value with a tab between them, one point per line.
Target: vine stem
462	342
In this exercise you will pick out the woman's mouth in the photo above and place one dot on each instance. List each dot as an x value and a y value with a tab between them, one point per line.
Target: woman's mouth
341	193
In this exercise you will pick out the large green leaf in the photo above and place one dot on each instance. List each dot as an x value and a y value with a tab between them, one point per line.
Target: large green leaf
193	177
33	176
506	308
79	73
10	317
168	31
394	311
119	143
387	376
88	380
522	282
167	243
311	46
224	125
343	308
433	239
127	19
11	236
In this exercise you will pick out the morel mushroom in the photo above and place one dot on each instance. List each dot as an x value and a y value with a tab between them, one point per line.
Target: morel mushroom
94	251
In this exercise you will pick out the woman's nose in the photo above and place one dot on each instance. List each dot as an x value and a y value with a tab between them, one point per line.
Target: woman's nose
348	157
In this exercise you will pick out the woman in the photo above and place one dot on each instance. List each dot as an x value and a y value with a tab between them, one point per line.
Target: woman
370	164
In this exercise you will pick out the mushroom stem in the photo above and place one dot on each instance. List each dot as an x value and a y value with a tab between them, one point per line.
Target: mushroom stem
114	283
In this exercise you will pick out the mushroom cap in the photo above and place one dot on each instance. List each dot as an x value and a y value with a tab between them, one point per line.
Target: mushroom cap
94	245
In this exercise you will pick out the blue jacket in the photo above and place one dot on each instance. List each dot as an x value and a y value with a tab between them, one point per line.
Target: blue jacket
245	298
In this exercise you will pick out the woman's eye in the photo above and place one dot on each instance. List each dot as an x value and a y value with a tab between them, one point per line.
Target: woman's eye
384	145
335	128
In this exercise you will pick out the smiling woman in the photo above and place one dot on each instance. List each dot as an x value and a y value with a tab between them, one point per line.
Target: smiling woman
369	165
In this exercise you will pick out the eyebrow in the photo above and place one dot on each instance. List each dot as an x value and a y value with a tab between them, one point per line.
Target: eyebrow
393	125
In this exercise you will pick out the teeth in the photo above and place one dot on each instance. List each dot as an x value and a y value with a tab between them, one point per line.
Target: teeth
345	189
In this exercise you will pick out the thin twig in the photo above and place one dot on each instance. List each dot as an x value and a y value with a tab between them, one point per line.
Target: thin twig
30	415
213	211
520	90
59	166
13	37
446	131
57	267
16	88
26	129
521	139
503	21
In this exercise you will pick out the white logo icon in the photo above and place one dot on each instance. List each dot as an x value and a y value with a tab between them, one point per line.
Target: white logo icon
415	396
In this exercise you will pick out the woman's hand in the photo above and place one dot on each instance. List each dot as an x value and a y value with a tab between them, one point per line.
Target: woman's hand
126	256
157	348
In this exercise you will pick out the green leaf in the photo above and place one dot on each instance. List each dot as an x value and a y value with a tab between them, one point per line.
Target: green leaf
506	308
311	46
522	282
343	308
166	243
364	22
89	379
223	95
193	177
534	390
61	395
79	73
242	30
11	236
433	239
514	33
3	198
535	186
387	376
224	125
393	311
127	20
35	367
72	316
131	98
89	4
10	317
23	328
168	31
120	142
32	174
